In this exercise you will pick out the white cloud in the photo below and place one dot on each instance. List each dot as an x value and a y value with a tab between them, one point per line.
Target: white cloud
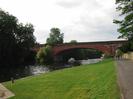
69	3
82	20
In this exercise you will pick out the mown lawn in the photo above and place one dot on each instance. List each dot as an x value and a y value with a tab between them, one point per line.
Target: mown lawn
95	81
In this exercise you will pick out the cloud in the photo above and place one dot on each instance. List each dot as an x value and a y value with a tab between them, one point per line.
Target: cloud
81	20
69	3
41	36
94	21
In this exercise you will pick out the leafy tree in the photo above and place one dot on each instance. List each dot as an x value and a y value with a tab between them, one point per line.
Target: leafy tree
126	24
40	56
44	55
125	47
16	39
8	24
25	41
73	41
119	53
25	35
55	37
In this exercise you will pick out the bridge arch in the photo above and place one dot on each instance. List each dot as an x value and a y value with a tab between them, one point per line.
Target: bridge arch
103	48
107	47
65	50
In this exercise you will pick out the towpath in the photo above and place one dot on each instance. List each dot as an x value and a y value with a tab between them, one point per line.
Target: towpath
125	76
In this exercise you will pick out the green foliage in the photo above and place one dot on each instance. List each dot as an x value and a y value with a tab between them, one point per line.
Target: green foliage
126	47
55	37
106	56
80	54
73	41
16	39
119	53
40	56
95	81
126	24
44	55
25	35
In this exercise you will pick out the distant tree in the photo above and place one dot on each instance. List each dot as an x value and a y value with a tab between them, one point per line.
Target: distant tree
126	24
55	37
44	55
40	56
15	39
80	54
125	47
73	41
118	54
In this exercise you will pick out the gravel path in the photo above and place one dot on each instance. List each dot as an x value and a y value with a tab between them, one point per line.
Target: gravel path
125	76
5	93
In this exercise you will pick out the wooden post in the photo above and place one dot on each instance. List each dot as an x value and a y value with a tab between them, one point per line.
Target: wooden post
12	80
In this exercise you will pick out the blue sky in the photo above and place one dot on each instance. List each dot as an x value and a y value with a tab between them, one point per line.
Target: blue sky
81	20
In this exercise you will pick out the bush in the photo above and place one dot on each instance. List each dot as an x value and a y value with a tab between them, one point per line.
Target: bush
107	56
44	56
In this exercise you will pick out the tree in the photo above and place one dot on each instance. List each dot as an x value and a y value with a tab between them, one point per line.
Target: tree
44	55
126	24
119	54
73	41
25	35
16	39
55	37
25	41
40	56
8	24
125	47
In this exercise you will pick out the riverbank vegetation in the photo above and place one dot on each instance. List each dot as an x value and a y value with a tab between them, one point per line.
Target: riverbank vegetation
44	55
95	81
125	7
16	41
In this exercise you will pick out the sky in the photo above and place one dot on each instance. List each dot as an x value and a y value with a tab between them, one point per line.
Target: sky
81	20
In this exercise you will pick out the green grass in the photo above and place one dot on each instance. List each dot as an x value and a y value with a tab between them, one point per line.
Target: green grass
95	81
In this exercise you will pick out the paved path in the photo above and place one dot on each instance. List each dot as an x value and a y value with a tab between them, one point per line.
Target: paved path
125	76
5	93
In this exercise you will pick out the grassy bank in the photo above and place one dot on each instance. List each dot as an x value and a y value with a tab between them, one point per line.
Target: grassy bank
95	81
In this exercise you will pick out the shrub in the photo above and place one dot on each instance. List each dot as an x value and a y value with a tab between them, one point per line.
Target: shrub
44	56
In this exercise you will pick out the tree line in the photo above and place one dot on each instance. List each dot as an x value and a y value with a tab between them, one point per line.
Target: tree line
16	40
125	7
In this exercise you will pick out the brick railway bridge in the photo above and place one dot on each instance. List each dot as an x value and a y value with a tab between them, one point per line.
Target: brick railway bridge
107	47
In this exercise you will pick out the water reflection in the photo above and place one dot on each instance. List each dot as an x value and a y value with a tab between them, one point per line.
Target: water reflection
38	70
22	71
90	61
6	73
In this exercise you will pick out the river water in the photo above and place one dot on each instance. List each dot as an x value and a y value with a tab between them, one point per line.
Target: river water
22	71
90	61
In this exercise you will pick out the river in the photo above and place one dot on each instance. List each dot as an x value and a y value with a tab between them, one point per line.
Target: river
22	71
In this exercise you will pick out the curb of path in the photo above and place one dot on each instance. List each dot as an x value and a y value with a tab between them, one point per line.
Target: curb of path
118	82
119	85
5	93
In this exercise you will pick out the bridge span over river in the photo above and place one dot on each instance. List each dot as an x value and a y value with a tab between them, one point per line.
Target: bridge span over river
107	47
